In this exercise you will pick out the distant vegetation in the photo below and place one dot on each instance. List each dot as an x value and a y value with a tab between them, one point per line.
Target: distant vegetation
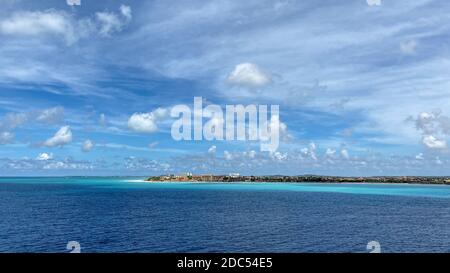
302	178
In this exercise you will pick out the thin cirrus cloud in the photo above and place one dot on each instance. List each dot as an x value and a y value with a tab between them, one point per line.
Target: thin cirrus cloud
408	47
111	22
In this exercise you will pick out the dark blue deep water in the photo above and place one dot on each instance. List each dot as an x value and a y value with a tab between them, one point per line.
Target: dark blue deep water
116	215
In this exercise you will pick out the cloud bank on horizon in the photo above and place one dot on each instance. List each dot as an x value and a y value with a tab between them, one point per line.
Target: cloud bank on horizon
87	86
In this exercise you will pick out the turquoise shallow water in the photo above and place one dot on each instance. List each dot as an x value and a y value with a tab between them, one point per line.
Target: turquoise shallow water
437	191
128	215
414	190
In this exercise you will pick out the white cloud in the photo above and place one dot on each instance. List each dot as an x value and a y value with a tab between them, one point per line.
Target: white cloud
408	47
373	2
276	125
438	160
87	146
13	120
312	150
38	23
6	137
73	2
279	156
227	155
126	11
330	153
111	22
344	154
212	149
248	75
160	113
55	22
67	164
61	138
309	152
419	156
146	122
250	154
44	156
142	123
51	115
434	127
434	143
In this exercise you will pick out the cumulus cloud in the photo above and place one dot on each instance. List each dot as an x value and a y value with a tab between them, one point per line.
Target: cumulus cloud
276	125
6	137
212	149
227	155
250	154
136	163
45	161
73	2
329	162
373	2
12	121
67	164
248	75
344	154
147	122
44	156
278	156
312	150
61	138
309	152
87	146
330	153
434	127
434	143
142	123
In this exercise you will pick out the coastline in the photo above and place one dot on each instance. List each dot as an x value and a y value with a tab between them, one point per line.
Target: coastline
416	180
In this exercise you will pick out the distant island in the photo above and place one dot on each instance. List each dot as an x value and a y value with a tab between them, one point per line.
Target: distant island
300	178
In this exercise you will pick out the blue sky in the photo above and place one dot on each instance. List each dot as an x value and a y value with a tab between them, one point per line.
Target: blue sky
363	88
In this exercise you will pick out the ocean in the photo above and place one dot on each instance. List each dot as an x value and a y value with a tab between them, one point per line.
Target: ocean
126	215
